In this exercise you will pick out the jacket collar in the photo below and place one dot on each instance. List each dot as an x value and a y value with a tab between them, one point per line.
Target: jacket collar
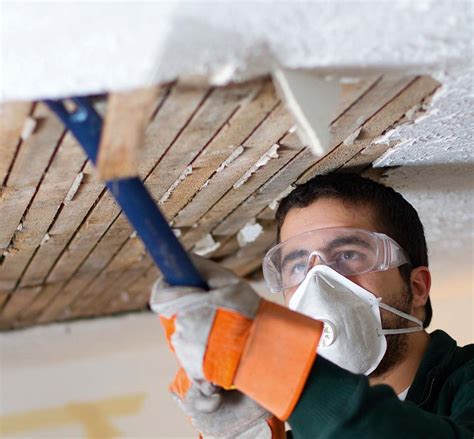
433	367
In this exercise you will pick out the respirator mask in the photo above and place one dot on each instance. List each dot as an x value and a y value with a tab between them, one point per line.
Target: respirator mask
353	337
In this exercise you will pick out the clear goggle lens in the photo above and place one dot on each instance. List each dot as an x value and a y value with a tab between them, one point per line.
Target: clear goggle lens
347	251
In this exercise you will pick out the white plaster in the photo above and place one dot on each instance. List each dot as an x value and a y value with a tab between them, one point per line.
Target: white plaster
271	153
206	245
274	204
187	171
249	233
236	153
51	50
28	127
74	188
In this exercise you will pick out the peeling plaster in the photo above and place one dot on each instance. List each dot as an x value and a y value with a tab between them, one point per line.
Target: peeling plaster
249	233
188	171
272	153
206	245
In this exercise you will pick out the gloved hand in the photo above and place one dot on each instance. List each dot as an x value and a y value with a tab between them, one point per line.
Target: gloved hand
224	414
232	338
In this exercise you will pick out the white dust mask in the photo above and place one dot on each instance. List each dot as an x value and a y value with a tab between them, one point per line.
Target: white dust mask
352	337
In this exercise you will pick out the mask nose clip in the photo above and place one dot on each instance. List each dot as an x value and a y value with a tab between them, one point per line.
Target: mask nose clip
311	261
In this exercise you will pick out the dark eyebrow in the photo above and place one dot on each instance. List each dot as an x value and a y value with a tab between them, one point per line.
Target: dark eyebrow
296	254
344	240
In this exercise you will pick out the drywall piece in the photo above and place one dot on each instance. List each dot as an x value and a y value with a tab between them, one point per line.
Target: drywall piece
313	100
206	245
127	116
249	233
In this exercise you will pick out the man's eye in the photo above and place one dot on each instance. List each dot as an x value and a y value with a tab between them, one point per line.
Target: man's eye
298	268
349	256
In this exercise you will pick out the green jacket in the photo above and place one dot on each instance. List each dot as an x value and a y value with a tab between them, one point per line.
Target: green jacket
440	403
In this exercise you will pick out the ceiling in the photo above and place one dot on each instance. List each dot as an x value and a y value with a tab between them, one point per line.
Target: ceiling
216	160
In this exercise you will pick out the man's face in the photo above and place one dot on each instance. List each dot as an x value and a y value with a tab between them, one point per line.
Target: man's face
389	284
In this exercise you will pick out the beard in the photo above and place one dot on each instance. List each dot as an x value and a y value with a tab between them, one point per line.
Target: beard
397	344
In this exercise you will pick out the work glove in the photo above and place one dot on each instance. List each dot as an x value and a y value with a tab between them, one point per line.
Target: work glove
224	414
230	338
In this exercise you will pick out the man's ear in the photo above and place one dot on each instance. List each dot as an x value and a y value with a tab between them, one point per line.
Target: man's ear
420	280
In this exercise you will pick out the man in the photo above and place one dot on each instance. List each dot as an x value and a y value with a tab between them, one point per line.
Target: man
352	256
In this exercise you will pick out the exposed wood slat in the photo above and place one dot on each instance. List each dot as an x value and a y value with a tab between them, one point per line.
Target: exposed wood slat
87	189
260	142
176	111
18	301
31	161
208	121
126	118
67	162
76	255
204	121
12	120
235	133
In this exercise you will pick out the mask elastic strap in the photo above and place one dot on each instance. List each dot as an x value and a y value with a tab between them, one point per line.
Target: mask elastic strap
406	316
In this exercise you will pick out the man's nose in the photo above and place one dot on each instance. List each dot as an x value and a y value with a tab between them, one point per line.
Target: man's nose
313	260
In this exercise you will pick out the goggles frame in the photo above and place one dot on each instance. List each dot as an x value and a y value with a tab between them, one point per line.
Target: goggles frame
389	255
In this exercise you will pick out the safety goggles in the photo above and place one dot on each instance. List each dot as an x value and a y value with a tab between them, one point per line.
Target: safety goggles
348	251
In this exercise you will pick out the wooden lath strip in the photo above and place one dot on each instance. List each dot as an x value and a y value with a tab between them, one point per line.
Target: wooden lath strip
378	95
392	112
267	134
216	138
201	121
385	119
126	118
31	161
245	121
208	196
211	118
84	194
131	258
13	117
138	294
52	191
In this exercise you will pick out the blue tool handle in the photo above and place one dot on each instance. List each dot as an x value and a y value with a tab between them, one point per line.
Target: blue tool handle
134	199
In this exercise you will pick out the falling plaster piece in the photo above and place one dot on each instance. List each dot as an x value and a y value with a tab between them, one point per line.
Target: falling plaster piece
249	233
181	178
349	140
177	232
74	188
262	161
19	227
133	234
206	245
28	127
312	99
